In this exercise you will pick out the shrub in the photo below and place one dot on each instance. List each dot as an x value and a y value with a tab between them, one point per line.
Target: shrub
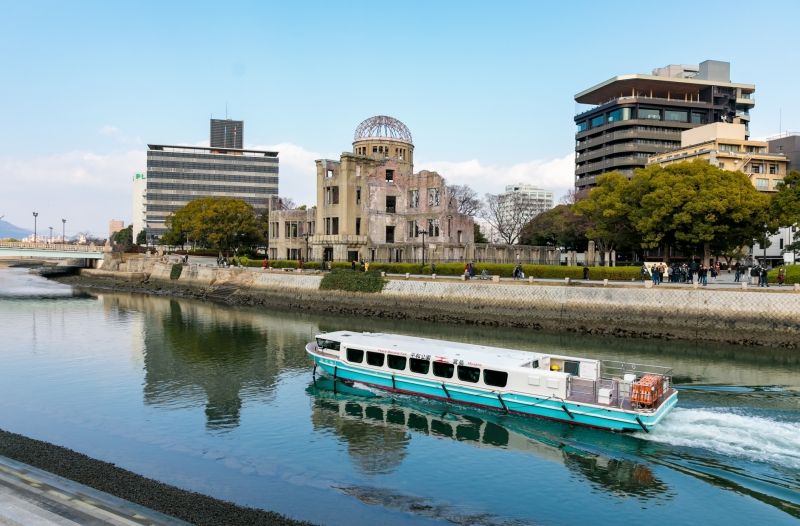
792	274
176	270
340	279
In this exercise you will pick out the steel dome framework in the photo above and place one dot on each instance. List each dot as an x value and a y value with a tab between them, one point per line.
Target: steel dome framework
383	127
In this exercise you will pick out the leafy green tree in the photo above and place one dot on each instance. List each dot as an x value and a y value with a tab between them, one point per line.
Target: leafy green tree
695	204
785	205
124	237
607	210
559	226
222	223
141	237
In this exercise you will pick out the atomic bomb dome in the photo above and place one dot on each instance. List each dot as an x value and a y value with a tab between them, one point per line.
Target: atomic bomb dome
383	127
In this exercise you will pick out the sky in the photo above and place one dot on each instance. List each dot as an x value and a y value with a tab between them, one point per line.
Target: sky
486	88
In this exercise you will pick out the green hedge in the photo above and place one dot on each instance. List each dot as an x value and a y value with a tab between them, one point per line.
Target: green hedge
792	274
340	279
506	270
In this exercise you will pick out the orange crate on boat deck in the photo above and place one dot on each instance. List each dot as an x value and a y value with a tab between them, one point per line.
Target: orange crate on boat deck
647	390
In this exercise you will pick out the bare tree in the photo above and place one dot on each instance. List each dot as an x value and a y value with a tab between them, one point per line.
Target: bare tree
569	198
507	214
464	199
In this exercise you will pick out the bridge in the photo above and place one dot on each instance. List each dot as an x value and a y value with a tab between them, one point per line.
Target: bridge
50	250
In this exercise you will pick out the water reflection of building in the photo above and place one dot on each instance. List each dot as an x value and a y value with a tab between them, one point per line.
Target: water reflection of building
196	353
378	431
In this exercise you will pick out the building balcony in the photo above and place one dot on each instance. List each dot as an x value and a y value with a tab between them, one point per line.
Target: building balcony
630	161
678	126
623	148
622	135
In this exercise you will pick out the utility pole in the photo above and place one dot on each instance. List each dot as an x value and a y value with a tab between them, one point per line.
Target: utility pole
35	215
63	230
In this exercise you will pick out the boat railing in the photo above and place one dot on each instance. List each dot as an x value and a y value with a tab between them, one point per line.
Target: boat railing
613	369
615	386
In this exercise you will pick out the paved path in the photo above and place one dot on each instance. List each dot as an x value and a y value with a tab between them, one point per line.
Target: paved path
32	497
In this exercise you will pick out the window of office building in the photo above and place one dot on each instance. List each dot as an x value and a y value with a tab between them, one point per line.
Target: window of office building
757	168
621	114
762	184
698	118
583	126
773	169
598	121
675	115
649	113
729	147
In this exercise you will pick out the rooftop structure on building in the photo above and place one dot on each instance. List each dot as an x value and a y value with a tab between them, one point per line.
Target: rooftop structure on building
372	206
226	133
787	144
726	146
177	175
632	117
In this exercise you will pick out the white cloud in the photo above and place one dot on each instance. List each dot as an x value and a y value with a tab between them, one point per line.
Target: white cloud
109	130
556	175
298	173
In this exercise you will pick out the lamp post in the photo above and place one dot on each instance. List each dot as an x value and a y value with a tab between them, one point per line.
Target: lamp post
51	235
766	233
63	230
35	215
422	233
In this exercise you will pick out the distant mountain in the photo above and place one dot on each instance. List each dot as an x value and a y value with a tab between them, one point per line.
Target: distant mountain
13	231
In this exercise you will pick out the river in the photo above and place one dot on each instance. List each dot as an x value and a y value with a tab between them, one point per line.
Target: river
221	400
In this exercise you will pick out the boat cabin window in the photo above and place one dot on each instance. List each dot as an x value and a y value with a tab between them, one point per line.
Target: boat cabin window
469	374
495	378
419	366
396	362
355	355
375	358
571	367
322	343
445	370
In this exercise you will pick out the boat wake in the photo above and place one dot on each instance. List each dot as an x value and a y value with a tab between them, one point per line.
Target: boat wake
727	433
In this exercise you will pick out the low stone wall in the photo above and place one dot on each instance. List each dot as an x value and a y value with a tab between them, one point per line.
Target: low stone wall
733	316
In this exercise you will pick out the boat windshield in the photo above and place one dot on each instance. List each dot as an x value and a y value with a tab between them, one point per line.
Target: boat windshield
322	343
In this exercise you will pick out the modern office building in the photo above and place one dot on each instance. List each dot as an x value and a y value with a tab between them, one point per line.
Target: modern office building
226	133
139	199
632	117
787	144
724	145
531	199
372	206
177	175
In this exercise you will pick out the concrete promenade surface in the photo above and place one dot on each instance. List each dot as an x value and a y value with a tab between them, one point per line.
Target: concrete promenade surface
30	496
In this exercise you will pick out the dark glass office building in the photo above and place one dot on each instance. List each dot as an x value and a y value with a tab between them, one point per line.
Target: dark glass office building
179	174
634	116
227	133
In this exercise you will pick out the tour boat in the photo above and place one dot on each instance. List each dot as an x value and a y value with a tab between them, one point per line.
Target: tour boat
612	395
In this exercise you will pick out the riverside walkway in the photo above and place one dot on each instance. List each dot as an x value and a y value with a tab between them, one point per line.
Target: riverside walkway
12	249
30	496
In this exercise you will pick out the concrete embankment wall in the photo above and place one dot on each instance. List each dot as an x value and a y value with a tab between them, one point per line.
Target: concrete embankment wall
733	316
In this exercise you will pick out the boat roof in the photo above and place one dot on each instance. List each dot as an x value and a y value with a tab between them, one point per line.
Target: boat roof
470	353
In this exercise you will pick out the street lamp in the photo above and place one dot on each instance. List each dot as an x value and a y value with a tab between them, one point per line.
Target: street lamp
766	233
35	215
51	235
63	230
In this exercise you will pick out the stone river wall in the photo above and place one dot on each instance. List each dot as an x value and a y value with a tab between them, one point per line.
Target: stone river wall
756	317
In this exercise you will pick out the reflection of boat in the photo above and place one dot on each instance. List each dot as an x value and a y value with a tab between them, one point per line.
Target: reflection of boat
371	424
607	395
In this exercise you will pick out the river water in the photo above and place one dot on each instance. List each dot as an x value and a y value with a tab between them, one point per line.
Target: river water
221	400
